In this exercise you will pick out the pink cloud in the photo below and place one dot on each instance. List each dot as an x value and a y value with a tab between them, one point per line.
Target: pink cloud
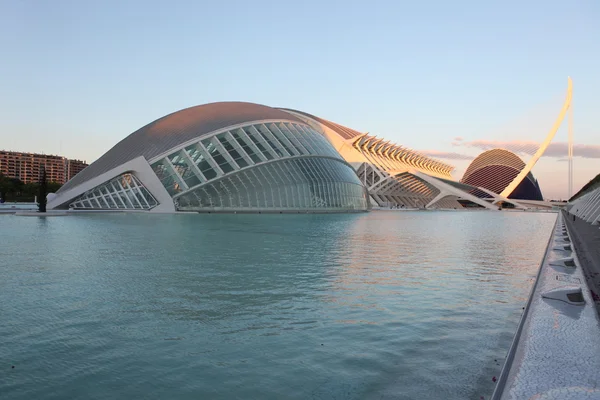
556	149
448	155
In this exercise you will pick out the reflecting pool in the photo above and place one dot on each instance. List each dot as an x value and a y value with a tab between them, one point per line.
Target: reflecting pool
398	305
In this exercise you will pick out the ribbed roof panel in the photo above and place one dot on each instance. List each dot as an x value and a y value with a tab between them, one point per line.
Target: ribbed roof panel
341	130
495	169
174	129
494	157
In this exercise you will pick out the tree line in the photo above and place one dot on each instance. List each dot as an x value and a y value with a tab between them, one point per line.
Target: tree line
13	189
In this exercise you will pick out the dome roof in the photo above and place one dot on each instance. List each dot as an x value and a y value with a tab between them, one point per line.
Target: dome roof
495	169
174	129
341	130
494	157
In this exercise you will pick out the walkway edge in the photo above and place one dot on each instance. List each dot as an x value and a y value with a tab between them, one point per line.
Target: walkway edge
500	385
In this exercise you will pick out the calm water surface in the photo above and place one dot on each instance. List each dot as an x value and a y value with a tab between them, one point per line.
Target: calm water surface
385	305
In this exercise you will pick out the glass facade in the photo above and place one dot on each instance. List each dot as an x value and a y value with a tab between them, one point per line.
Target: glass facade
268	166
124	192
294	184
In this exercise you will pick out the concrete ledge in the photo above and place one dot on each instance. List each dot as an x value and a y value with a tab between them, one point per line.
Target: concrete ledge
555	350
42	215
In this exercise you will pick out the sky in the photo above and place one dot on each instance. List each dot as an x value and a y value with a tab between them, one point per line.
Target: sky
442	77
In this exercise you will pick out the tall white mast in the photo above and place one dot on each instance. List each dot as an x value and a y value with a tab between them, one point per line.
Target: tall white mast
570	150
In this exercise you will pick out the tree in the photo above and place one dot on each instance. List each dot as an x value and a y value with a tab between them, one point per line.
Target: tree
43	191
3	186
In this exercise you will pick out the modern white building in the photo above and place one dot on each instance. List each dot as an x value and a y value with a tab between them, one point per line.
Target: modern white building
219	157
244	157
394	175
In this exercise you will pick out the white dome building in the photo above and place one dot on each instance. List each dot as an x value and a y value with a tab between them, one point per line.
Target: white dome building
219	157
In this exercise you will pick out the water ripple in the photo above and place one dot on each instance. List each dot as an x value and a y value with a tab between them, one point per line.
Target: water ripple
400	305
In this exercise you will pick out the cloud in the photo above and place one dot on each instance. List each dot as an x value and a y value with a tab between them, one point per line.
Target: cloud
556	149
448	155
458	139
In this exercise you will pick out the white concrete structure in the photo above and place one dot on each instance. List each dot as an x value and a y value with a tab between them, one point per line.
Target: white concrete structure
527	169
554	354
219	157
587	205
244	157
395	176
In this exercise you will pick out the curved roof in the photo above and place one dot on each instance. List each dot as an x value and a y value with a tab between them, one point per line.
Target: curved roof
174	129
494	157
341	130
495	169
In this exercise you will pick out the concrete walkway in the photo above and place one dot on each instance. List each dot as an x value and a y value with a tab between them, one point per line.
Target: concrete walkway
586	239
554	354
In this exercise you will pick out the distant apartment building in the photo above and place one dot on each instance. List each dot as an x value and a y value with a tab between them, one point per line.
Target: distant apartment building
27	166
74	167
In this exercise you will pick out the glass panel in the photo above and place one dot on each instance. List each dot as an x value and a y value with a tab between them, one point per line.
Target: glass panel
215	153
102	202
110	202
266	134
245	146
295	184
281	139
140	198
292	136
132	199
259	143
222	163
287	135
194	153
192	180
116	193
207	170
233	153
299	136
181	165
167	176
160	170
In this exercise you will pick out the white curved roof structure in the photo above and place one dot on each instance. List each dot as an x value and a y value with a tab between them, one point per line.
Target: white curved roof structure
219	157
174	129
